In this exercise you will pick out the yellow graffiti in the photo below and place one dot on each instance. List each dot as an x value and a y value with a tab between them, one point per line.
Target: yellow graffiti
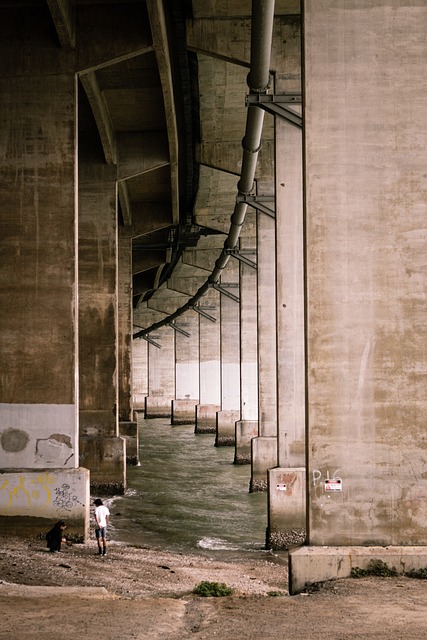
42	483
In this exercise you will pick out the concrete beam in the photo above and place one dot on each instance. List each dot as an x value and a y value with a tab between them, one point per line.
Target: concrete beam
101	115
63	16
165	65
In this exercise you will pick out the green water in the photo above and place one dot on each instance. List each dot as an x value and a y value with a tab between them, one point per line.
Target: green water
188	496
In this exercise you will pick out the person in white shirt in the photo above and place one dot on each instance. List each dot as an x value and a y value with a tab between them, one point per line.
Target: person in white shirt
102	518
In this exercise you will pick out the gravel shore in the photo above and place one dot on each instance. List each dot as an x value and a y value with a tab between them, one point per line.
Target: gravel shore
147	594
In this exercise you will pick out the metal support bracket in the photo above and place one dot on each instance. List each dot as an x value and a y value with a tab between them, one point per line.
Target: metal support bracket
221	288
155	344
178	329
239	255
257	203
274	104
200	311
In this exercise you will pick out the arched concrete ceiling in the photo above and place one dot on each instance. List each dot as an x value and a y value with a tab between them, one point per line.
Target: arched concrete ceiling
162	89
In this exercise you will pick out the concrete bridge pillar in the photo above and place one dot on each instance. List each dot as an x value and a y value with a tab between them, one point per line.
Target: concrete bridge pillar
264	446
39	450
161	374
230	359
287	511
209	363
102	450
128	427
247	426
186	370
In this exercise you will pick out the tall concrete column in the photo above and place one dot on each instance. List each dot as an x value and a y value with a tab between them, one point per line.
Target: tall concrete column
41	480
247	426
161	374
366	245
287	482
230	358
139	373
101	449
128	426
209	363
186	369
264	446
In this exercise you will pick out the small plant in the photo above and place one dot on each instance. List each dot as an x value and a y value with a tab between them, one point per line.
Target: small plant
212	589
276	594
374	568
420	574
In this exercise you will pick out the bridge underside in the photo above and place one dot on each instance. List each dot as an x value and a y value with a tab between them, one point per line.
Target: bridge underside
215	213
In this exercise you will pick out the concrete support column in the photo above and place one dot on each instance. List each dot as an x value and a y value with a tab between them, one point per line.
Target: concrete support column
161	374
102	450
264	447
139	373
247	426
230	360
128	427
186	370
366	246
39	449
287	510
209	364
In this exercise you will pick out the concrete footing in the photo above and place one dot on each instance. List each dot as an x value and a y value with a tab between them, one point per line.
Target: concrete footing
183	412
206	418
129	431
308	565
157	407
32	501
105	457
226	428
263	457
246	430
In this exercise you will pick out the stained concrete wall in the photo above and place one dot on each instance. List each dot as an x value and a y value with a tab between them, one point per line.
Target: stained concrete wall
366	155
38	421
98	303
40	498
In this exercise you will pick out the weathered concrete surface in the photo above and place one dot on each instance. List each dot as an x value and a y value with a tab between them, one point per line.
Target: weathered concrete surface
226	428
129	431
206	418
286	507
33	501
308	565
246	430
37	213
106	459
263	457
365	227
98	304
38	436
183	412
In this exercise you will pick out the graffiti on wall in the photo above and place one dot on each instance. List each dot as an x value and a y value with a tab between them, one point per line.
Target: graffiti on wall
38	492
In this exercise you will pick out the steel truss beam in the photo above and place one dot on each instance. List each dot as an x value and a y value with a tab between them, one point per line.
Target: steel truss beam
274	104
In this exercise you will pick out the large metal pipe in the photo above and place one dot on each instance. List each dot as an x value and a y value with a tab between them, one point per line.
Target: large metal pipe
258	81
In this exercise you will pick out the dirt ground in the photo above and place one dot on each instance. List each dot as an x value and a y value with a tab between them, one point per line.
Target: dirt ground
145	594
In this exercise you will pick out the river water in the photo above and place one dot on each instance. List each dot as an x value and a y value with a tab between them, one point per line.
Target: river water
188	496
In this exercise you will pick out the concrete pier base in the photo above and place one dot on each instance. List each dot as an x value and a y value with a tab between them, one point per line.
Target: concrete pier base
226	428
206	418
287	508
157	407
32	501
308	565
105	457
263	457
183	412
245	431
129	431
